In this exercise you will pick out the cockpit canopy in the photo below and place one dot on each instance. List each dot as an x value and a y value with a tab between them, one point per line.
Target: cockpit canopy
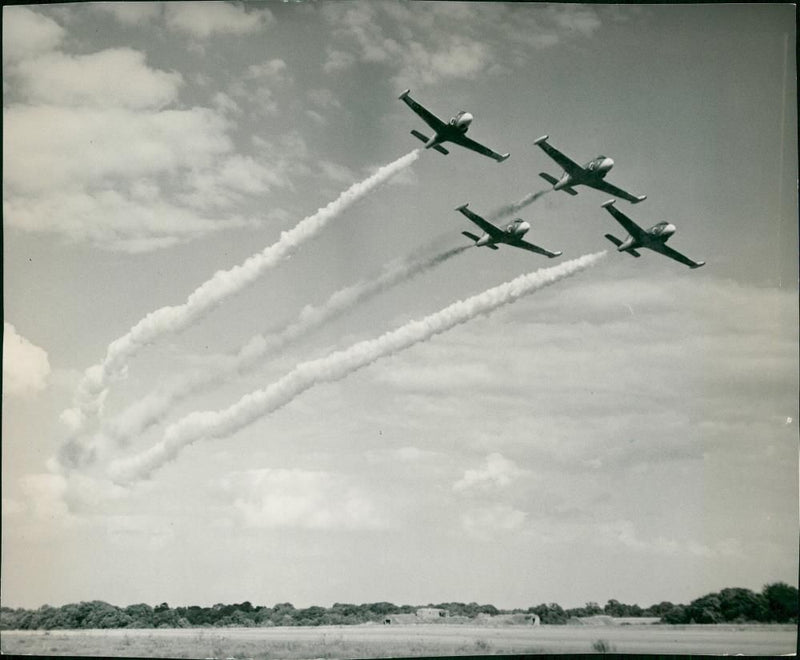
462	120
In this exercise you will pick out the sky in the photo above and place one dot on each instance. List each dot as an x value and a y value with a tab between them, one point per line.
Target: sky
244	357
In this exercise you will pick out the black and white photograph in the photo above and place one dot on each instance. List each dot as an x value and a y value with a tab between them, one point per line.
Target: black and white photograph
393	328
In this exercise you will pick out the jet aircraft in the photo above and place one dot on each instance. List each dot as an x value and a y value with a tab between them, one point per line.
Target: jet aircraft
654	238
511	235
453	131
591	174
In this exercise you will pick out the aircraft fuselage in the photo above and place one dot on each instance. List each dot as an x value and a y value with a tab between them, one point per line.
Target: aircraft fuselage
512	232
457	125
659	233
594	170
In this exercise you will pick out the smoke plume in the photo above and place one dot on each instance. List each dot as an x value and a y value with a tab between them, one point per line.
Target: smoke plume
510	209
216	424
154	407
94	385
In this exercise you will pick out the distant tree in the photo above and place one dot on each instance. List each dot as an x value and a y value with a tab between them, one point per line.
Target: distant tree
615	608
550	614
706	609
593	609
658	610
781	602
675	615
737	604
141	616
382	608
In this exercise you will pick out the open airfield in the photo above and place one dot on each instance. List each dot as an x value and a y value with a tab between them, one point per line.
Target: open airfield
378	641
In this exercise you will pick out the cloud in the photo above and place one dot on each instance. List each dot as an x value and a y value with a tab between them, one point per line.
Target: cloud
447	40
274	70
116	77
131	12
121	179
304	499
26	368
487	522
498	473
203	19
44	496
27	33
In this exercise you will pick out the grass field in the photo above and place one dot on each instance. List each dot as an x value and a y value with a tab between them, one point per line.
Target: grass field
376	641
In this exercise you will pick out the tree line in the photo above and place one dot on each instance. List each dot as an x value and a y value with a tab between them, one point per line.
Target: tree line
777	603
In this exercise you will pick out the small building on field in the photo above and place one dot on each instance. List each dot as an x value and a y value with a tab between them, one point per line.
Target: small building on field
432	613
400	619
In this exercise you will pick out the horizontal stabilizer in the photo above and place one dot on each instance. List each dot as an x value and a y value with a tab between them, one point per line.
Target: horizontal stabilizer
472	236
492	246
419	136
570	191
440	149
550	179
614	240
633	253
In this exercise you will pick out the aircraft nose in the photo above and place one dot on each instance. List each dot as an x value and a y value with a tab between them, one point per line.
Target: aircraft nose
607	164
670	229
523	227
466	118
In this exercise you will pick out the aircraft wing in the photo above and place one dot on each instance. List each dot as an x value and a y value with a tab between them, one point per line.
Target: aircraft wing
427	116
567	164
464	141
488	227
605	186
530	247
677	256
629	225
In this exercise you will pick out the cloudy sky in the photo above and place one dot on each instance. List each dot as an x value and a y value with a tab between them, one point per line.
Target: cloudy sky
628	431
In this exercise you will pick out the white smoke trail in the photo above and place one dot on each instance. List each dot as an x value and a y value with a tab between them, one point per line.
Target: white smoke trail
154	407
97	378
510	209
215	424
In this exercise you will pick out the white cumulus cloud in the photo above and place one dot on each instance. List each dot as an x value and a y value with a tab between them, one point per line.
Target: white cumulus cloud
26	33
487	522
498	472
114	77
202	19
25	365
298	498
